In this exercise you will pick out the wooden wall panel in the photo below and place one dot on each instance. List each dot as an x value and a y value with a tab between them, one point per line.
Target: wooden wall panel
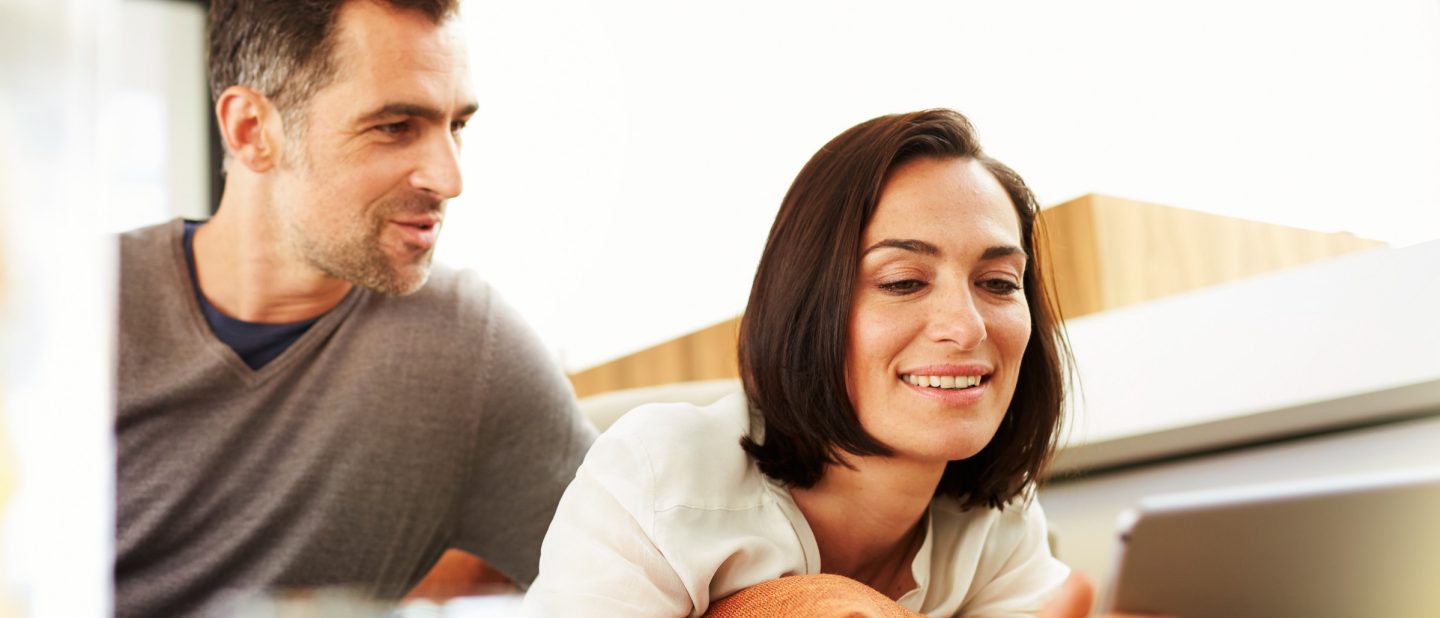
1110	252
1065	241
706	354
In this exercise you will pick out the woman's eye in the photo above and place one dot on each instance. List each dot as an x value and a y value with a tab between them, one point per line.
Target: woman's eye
904	286
1000	286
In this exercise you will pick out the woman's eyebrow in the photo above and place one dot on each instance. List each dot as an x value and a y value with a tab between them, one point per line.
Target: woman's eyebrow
925	248
1000	251
916	246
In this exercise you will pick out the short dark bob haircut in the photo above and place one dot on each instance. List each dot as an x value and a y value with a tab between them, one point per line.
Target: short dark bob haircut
795	329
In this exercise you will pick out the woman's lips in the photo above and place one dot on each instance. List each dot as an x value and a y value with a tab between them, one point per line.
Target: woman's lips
951	396
951	383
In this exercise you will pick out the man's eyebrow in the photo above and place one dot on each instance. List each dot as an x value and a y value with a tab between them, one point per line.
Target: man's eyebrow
414	109
906	244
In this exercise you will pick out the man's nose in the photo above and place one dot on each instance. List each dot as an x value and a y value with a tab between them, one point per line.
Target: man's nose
956	319
438	170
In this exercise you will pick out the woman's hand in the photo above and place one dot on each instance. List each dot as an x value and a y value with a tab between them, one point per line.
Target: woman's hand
1074	600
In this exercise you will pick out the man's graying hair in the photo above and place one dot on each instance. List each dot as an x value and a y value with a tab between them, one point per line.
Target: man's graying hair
284	49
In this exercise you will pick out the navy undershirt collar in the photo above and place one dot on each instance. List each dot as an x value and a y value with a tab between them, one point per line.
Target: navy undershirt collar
256	343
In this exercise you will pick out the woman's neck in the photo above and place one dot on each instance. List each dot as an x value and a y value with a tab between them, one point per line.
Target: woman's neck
869	521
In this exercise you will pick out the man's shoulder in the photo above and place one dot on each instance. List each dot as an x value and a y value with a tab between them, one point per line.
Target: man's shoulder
449	294
152	263
152	240
450	282
153	231
455	312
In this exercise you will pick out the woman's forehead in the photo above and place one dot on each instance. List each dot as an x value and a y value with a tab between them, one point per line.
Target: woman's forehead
949	203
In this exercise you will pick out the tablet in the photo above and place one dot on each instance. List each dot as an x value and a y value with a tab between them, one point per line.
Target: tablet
1342	547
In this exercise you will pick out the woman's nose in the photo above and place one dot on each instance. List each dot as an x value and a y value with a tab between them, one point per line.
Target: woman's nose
956	319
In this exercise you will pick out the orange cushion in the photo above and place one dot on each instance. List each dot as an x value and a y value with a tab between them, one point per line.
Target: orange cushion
809	596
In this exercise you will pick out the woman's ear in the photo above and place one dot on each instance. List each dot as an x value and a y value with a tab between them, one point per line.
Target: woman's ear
242	115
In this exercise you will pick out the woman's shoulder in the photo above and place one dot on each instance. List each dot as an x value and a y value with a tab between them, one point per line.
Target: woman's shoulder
692	452
991	560
662	421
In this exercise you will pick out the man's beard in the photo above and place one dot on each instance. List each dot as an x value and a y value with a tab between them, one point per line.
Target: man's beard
357	255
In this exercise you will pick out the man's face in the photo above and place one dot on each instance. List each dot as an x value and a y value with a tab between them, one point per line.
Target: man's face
360	192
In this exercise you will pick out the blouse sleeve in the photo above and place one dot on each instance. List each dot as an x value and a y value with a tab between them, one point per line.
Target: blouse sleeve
599	557
1027	575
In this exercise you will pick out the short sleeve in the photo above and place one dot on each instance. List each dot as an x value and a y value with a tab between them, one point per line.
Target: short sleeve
530	441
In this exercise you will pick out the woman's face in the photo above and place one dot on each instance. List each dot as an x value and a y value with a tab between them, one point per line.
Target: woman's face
939	321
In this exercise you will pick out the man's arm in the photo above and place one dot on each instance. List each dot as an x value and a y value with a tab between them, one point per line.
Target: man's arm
532	438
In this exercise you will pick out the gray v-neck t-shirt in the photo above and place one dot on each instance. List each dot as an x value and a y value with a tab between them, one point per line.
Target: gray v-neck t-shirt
392	429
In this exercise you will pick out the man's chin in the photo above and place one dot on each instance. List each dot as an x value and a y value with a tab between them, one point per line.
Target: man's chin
394	281
402	283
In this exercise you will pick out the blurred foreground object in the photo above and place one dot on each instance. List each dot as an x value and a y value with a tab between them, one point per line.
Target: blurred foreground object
56	320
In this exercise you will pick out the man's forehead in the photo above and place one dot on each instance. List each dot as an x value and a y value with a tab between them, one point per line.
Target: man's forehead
384	53
373	32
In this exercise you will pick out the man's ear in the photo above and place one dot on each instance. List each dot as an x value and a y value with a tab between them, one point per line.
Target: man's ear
243	115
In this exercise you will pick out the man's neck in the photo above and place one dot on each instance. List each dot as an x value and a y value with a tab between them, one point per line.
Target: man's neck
247	272
867	521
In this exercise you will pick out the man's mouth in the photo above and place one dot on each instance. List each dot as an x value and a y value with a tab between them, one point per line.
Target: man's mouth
944	382
420	233
423	223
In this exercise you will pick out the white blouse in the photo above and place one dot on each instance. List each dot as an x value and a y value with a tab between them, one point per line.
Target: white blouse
668	514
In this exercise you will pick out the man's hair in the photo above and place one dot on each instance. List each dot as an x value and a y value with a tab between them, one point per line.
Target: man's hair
794	334
284	49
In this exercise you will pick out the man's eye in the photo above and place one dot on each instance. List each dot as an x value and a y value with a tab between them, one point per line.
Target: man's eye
457	126
902	287
394	128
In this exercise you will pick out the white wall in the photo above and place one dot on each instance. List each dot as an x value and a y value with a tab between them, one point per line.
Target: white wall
629	155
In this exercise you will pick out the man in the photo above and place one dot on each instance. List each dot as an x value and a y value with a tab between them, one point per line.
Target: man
303	403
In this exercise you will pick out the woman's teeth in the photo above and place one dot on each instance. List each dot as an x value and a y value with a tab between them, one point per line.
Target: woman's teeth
952	382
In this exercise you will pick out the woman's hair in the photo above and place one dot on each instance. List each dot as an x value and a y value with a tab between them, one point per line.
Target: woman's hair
794	332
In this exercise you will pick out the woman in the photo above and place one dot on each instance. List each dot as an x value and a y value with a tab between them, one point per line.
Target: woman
903	390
